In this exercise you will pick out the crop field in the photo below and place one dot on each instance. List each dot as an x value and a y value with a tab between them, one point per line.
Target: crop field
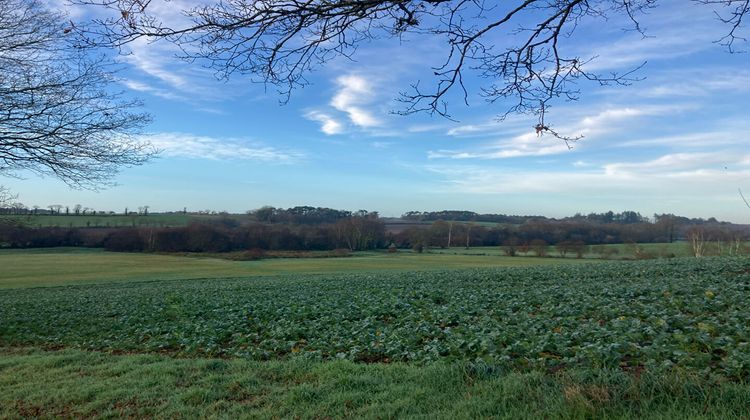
687	314
659	338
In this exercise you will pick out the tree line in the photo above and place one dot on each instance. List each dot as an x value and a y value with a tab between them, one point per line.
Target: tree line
307	228
624	217
446	234
356	233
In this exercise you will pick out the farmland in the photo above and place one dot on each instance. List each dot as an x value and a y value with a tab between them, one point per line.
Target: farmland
662	338
621	251
692	316
62	266
107	220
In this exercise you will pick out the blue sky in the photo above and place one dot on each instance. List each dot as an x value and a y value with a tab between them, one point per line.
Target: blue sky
676	142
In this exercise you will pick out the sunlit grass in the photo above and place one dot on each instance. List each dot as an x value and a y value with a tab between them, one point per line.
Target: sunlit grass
70	383
61	266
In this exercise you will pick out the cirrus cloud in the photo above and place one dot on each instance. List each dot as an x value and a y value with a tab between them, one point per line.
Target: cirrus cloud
190	146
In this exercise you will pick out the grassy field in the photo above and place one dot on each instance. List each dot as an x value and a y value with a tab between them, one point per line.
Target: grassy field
118	220
60	266
624	251
372	336
73	383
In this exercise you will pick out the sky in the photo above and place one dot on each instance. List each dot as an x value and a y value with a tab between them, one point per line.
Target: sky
674	142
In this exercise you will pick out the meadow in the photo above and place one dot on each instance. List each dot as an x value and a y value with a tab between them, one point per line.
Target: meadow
622	251
374	335
108	220
63	266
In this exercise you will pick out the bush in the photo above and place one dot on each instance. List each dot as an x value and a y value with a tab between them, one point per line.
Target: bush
252	254
605	252
125	240
342	252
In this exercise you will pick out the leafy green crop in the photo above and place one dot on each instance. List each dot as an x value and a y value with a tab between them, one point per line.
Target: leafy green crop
691	314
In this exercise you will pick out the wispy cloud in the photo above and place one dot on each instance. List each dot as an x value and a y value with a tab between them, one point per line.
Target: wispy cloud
354	94
667	37
328	124
509	126
381	144
693	140
151	58
190	146
694	83
699	175
425	128
635	50
146	88
156	67
619	118
675	163
73	11
529	144
520	146
158	70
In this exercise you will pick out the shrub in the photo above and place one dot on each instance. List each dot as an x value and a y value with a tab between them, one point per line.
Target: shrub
125	240
342	252
252	254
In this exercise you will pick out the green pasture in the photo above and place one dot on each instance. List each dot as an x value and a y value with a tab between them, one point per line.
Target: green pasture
104	221
80	384
61	266
678	249
624	251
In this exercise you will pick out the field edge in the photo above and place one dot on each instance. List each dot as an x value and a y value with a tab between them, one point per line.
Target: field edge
78	383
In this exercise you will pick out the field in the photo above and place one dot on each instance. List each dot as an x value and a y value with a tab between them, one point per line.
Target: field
119	220
74	383
61	266
373	337
623	251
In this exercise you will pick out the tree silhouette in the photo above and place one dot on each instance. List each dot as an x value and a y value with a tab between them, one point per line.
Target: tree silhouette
280	41
58	115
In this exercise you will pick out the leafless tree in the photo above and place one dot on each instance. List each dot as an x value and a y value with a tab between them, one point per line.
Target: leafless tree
361	231
540	247
450	232
280	41
8	205
6	197
58	115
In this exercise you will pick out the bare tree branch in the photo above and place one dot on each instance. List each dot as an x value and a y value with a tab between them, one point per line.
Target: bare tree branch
280	41
58	115
732	13
6	197
743	198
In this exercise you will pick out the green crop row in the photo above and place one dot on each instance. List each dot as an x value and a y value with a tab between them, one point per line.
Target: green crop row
689	314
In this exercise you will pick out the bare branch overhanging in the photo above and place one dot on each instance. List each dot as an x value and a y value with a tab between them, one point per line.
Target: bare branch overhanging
58	115
280	41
